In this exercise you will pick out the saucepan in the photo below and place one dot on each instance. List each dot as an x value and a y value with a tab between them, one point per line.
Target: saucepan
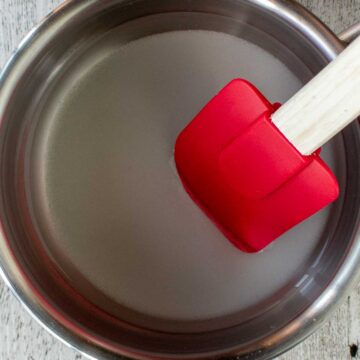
74	98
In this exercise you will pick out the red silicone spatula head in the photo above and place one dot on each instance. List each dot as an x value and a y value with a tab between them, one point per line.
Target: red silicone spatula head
247	177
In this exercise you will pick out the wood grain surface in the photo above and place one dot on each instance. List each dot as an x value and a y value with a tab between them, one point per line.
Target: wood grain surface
22	338
328	102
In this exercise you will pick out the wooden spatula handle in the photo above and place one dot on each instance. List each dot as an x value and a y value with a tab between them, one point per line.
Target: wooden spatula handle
325	105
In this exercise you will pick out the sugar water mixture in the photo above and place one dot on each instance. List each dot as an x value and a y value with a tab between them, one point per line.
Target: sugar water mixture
120	218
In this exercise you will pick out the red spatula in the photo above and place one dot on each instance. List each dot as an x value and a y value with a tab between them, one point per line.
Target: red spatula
254	167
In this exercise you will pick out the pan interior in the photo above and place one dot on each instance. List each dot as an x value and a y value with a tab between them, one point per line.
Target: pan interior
106	198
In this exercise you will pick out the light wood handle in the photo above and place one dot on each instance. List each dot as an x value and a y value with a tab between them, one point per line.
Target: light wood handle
325	105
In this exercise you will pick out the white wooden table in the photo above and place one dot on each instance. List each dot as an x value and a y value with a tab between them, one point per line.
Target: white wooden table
22	338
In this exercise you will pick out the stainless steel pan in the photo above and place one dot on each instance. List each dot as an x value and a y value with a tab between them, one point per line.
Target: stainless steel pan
35	263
